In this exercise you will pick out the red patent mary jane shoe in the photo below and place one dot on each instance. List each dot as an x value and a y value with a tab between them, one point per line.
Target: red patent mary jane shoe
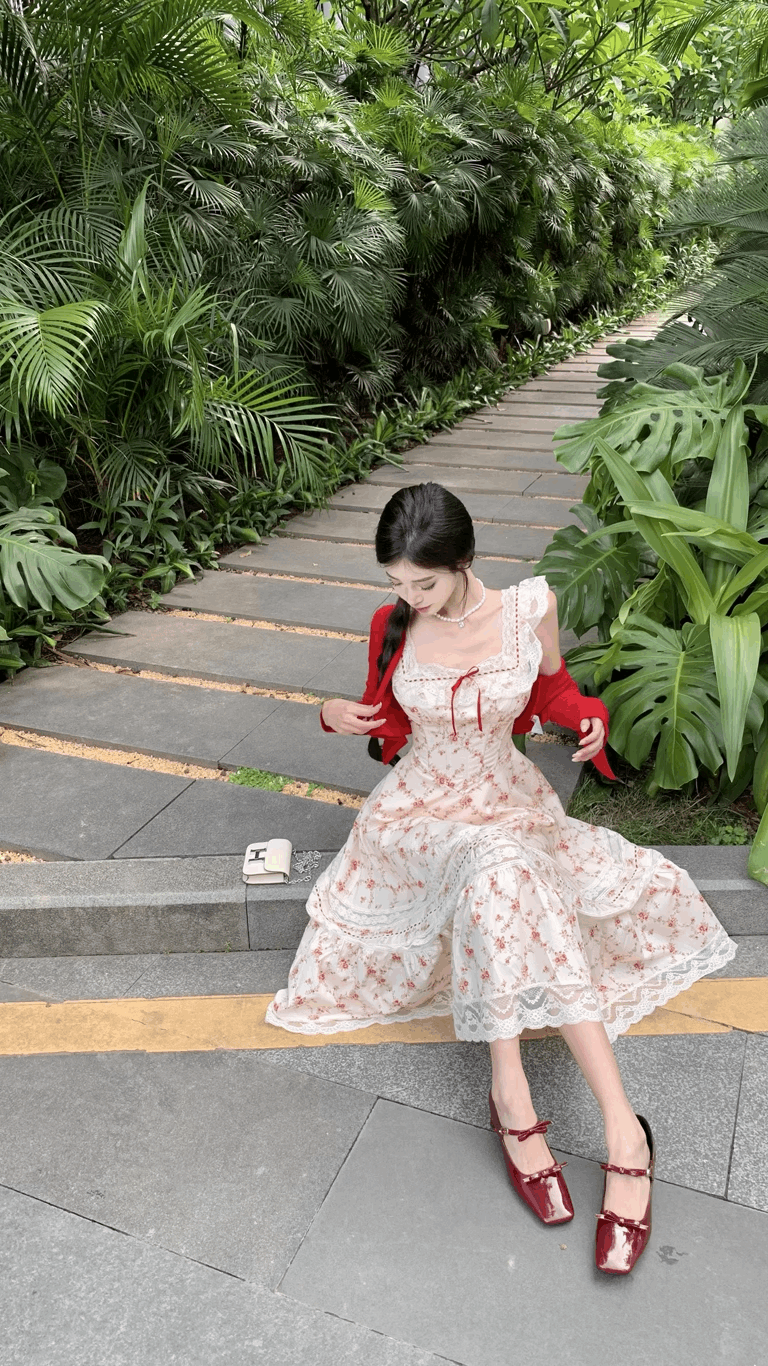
544	1192
620	1241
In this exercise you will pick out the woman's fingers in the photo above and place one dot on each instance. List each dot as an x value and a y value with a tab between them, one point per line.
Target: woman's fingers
591	741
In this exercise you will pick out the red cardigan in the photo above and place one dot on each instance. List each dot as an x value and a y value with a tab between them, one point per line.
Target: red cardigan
554	697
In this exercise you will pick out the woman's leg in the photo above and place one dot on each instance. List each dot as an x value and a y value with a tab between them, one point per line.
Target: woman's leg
625	1139
509	1088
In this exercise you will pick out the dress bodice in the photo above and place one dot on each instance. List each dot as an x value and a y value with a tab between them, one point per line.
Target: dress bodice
462	719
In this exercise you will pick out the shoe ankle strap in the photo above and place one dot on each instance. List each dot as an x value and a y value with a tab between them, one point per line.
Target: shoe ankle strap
626	1171
540	1127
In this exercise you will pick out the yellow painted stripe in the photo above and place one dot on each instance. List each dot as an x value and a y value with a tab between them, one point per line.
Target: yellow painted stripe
201	1023
740	1002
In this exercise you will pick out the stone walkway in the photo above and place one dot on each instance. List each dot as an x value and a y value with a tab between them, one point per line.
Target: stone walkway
278	628
180	1183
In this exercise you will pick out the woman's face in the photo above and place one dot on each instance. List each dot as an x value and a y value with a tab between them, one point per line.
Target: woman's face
425	590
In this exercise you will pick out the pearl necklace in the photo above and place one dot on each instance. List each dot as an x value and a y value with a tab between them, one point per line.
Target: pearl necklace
459	621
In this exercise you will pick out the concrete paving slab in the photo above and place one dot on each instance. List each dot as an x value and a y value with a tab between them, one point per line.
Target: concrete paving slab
516	542
423	1205
258	598
59	807
751	959
517	410
551	398
374	497
79	1294
459	480
160	905
91	977
748	1181
292	743
222	818
569	486
498	452
502	509
11	993
220	1156
518	421
481	438
167	719
686	1085
224	652
310	559
109	977
213	974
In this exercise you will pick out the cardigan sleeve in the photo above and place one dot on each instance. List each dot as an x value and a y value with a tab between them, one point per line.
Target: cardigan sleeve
378	625
556	697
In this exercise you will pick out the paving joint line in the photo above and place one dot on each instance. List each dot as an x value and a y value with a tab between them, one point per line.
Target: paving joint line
194	770
736	1115
194	614
186	680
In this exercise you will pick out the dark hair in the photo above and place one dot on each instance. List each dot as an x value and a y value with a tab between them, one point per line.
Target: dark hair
431	528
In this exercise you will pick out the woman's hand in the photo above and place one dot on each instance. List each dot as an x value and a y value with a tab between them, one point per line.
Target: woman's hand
350	718
592	740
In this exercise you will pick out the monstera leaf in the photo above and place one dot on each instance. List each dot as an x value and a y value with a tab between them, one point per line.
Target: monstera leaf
10	654
661	427
670	696
590	572
40	563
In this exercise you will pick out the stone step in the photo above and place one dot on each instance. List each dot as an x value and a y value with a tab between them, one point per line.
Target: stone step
466	459
546	420
472	443
170	720
519	409
285	601
340	563
459	480
516	542
59	807
572	389
222	818
515	510
573	403
195	648
560	485
198	904
187	724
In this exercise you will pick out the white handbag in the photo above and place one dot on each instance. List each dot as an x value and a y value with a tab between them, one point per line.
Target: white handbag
269	861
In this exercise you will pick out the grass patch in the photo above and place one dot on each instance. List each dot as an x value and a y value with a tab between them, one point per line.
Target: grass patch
669	818
258	777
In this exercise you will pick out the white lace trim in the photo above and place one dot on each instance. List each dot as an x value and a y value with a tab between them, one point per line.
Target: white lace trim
521	644
539	1008
535	1007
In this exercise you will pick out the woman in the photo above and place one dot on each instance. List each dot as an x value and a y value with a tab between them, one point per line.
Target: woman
464	887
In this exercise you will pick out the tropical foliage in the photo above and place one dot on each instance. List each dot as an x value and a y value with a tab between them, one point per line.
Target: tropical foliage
236	244
672	574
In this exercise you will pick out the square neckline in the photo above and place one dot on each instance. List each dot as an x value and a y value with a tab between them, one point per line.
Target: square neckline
409	649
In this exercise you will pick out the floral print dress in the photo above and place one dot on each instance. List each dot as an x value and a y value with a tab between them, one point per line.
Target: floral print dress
464	888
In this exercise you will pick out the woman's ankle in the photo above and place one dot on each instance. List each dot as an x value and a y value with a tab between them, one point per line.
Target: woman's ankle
516	1111
624	1131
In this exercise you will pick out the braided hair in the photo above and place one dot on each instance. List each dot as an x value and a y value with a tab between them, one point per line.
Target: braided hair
431	528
